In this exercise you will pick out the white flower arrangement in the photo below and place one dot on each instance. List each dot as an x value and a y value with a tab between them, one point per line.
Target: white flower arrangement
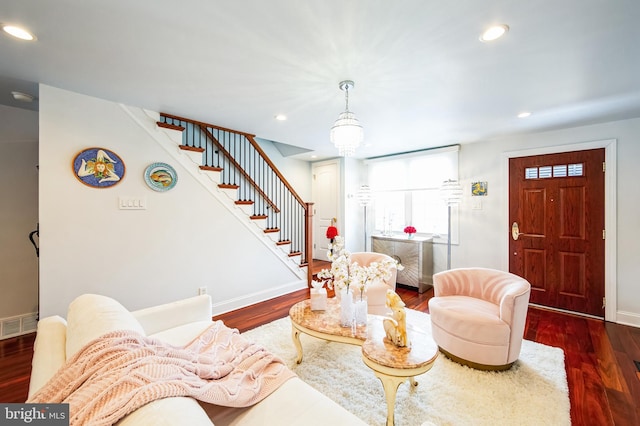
344	274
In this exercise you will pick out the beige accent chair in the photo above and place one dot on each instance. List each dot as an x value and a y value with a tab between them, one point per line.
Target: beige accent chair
478	316
377	291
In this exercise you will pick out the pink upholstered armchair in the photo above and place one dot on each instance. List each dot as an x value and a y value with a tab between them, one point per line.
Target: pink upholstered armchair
478	316
376	291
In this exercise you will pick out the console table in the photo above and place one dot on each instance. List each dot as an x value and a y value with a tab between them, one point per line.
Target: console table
415	254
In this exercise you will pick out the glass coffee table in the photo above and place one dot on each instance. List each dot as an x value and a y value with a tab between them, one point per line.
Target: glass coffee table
391	364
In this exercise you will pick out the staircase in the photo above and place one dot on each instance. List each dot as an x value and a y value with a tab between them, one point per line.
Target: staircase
237	167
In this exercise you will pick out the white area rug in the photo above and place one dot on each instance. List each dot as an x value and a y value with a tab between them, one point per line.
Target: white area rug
533	392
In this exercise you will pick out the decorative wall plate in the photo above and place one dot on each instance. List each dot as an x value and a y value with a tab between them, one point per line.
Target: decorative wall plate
98	167
160	177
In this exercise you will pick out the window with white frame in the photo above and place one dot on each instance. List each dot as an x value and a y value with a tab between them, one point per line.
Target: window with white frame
406	190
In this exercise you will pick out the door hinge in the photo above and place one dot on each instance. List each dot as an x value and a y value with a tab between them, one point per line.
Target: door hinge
604	167
314	245
604	302
604	234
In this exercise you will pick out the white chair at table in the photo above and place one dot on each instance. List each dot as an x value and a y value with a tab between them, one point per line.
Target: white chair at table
376	291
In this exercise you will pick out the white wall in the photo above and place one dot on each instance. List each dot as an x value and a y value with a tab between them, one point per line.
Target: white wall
184	240
18	217
481	231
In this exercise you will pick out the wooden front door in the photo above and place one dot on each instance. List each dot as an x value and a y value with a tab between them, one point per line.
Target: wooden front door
556	208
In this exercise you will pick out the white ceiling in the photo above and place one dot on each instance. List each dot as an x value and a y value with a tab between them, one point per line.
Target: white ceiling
422	77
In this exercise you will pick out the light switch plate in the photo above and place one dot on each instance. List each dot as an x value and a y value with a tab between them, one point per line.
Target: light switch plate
132	203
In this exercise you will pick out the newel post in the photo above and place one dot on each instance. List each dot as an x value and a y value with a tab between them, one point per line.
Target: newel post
308	240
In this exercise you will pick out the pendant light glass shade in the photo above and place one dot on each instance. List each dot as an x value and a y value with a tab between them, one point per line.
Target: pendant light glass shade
347	133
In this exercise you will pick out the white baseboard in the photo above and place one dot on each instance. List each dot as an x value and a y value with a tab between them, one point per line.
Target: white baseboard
628	318
18	325
250	299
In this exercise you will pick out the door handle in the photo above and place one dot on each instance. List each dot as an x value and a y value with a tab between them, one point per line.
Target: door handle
515	231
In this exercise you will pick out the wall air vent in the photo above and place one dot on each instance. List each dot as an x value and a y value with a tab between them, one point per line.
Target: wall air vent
18	325
10	327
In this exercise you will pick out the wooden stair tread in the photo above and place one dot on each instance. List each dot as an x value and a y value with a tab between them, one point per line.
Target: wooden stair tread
169	126
228	186
244	202
211	168
191	148
295	253
259	216
270	230
282	243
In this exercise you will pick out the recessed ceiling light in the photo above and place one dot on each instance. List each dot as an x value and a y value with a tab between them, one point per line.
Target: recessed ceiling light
22	97
494	32
314	156
281	117
524	114
18	32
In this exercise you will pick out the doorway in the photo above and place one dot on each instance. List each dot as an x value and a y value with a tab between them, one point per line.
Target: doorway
325	192
557	212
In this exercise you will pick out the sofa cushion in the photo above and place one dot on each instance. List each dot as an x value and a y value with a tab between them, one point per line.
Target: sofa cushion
294	403
182	334
92	315
469	319
168	412
48	351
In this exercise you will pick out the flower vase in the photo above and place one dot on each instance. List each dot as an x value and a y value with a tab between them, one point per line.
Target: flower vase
409	236
346	308
361	310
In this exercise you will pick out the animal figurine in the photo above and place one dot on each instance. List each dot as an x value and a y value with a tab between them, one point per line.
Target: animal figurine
396	327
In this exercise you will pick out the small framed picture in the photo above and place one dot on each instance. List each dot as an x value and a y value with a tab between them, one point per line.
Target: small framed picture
98	167
479	189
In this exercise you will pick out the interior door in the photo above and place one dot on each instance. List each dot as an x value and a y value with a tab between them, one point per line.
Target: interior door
556	208
325	192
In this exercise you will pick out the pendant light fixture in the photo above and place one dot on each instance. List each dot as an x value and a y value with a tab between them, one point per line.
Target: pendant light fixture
346	133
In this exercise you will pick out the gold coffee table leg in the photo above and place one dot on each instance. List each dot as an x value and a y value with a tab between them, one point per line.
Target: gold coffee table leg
391	378
390	385
295	335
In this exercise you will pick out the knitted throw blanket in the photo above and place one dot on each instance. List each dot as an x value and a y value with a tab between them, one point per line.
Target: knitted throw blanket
121	371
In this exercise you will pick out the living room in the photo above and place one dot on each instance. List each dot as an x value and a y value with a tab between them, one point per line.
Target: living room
67	225
177	245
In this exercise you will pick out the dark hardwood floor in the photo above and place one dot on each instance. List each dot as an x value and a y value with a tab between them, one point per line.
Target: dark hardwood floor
604	385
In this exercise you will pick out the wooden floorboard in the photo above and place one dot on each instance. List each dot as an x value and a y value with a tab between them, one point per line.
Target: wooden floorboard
604	385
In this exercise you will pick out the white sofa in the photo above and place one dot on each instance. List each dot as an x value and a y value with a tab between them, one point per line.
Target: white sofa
90	316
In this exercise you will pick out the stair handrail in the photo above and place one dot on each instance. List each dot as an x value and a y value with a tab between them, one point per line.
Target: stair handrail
251	138
239	167
306	207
